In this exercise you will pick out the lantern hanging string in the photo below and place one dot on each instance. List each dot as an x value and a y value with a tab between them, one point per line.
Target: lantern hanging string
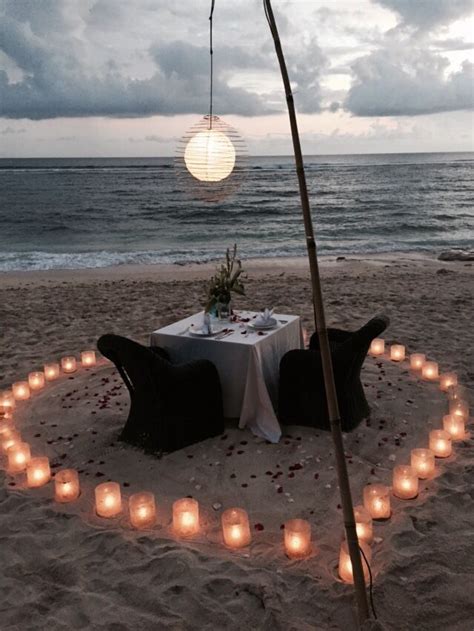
211	52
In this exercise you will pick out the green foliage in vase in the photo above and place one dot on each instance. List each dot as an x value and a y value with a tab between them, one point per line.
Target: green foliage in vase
227	280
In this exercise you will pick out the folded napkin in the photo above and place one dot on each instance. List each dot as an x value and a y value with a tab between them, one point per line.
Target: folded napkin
264	318
206	324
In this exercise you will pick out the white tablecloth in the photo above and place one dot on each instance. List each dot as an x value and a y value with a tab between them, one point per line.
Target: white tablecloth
248	364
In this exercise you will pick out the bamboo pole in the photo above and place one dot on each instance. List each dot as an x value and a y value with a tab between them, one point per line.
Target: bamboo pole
320	325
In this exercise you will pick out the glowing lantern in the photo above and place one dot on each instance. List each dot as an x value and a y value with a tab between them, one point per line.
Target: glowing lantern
297	535
345	565
405	482
235	528
377	501
108	499
36	380
440	443
142	510
417	361
186	517
38	472
423	462
18	457
51	371
363	522
397	352
66	486
377	347
88	358
21	390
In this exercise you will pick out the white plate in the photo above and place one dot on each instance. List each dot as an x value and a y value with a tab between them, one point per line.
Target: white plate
264	327
200	333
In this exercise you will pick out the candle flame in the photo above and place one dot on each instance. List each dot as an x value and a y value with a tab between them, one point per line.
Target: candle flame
109	500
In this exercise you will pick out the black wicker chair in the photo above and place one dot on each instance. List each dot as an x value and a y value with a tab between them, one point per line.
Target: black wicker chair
172	406
302	397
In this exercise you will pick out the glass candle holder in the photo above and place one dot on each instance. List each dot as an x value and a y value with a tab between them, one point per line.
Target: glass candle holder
88	358
440	443
345	565
448	380
377	347
69	364
38	472
186	517
457	393
36	380
459	408
21	390
142	510
430	371
297	537
363	521
9	439
405	482
235	528
66	486
423	462
455	426
7	401
397	352
417	361
18	457
6	428
377	501
108	499
51	371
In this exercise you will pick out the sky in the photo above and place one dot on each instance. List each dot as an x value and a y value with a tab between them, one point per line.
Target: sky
92	78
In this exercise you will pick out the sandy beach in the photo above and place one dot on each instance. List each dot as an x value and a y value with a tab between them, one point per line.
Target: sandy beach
64	568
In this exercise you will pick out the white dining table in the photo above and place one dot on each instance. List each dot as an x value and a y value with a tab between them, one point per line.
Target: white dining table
247	361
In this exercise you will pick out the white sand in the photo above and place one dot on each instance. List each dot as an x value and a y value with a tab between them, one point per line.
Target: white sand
64	568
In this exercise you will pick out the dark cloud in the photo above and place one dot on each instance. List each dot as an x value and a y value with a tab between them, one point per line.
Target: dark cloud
426	15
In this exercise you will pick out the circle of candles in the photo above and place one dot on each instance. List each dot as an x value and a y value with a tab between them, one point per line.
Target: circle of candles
363	522
297	536
88	358
377	500
397	352
430	371
440	443
142	510
186	517
423	462
18	457
7	401
66	486
10	437
38	472
377	347
345	565
51	371
455	426
459	408
417	361
21	390
405	482
235	528
447	380
69	364
36	380
108	499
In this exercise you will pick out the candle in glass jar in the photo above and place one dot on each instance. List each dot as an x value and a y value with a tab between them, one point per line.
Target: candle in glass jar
142	510
297	536
430	371
457	393
235	528
405	482
66	486
21	390
9	438
345	565
7	401
88	358
423	462
377	501
455	426
397	352
6	428
18	457
108	499
36	380
417	361
440	443
363	522
38	472
51	371
69	364
186	517
459	408
447	380
377	347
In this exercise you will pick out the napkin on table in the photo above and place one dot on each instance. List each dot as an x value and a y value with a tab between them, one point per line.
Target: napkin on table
264	318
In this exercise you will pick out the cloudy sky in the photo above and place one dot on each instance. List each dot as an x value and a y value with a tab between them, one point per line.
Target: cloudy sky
128	77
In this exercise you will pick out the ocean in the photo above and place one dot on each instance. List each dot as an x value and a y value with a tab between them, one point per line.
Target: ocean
79	213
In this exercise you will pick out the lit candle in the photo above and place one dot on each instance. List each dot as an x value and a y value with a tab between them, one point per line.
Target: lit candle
440	443
363	524
108	500
447	380
69	364
397	352
18	457
66	486
51	371
430	371
38	472
186	517
6	427
405	482
455	426
88	358
459	408
457	393
7	401
423	462
235	528
377	501
36	380
142	510
9	438
345	565
377	347
297	535
21	390
417	361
